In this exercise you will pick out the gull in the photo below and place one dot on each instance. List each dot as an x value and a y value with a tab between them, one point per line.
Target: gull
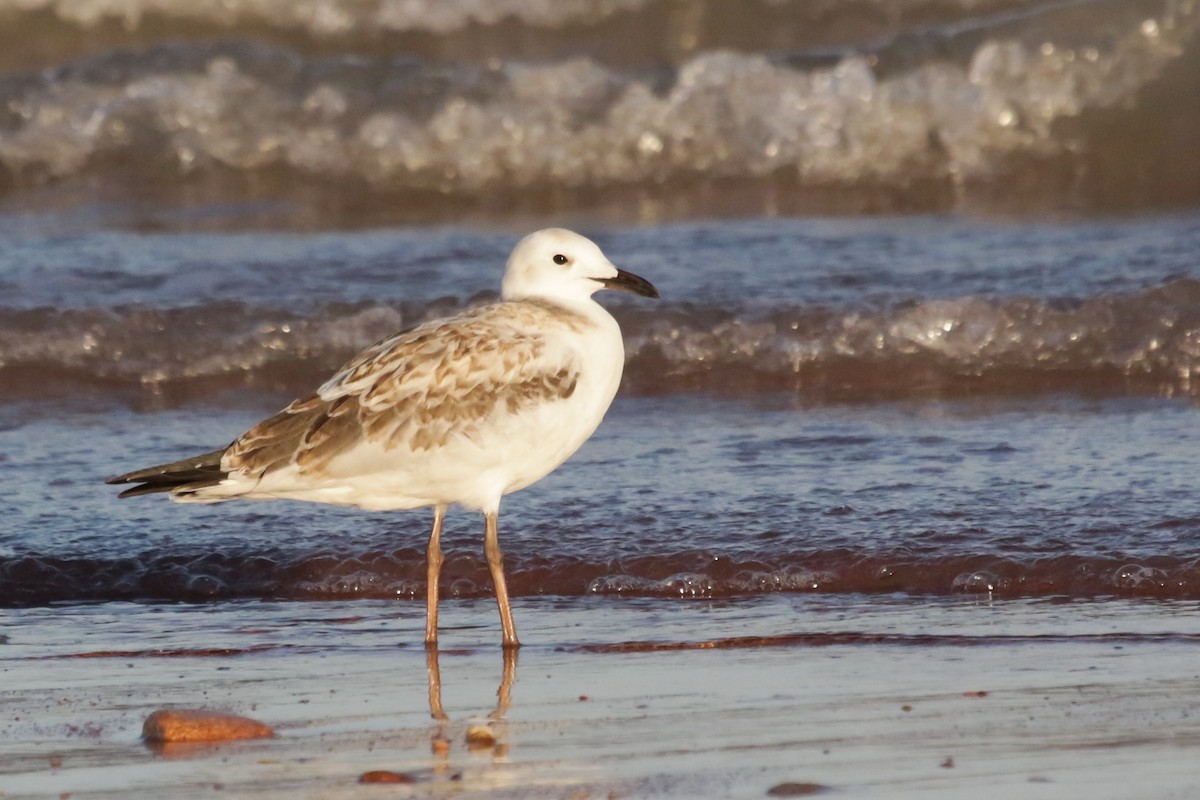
457	411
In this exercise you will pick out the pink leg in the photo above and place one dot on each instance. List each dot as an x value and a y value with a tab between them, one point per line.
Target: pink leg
495	559
433	571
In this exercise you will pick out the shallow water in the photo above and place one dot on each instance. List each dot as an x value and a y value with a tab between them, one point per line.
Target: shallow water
686	497
946	406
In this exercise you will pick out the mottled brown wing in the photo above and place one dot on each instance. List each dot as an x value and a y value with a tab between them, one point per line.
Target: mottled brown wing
419	389
308	430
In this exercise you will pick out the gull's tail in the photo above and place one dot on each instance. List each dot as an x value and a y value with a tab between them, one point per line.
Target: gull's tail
181	478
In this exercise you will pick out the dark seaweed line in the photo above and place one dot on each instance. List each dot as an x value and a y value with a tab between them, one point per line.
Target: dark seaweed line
856	638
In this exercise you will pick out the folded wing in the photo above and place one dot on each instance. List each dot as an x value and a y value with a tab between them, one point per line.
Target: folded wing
418	390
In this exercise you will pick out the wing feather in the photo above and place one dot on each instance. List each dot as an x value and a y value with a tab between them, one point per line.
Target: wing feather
420	389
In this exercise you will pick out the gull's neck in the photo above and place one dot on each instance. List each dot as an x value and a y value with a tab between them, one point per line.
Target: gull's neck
585	306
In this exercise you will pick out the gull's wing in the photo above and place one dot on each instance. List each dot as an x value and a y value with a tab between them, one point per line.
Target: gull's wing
419	389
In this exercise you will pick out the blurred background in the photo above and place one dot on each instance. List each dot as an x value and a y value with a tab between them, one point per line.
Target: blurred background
221	114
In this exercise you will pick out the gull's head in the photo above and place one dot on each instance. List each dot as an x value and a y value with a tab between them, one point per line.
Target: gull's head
560	265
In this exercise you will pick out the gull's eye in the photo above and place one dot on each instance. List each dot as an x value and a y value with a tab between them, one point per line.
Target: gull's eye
561	259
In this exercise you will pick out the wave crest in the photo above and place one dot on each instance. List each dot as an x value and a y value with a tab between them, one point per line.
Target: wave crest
36	580
1144	341
953	118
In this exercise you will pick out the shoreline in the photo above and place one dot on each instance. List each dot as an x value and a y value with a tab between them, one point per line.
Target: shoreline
1055	718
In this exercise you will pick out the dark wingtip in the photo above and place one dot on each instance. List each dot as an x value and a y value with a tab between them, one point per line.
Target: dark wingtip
144	488
198	471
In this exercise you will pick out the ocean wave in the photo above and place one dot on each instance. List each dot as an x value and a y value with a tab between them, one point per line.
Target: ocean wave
329	17
210	576
1049	107
479	29
1144	341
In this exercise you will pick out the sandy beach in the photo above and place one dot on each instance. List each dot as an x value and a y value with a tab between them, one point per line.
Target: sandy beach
862	698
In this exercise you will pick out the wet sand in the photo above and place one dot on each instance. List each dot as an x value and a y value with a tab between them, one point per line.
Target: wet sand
869	697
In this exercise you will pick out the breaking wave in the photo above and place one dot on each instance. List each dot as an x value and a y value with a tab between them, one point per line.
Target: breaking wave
201	577
1145	341
1000	105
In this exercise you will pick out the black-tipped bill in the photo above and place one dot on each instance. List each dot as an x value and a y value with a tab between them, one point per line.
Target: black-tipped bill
628	282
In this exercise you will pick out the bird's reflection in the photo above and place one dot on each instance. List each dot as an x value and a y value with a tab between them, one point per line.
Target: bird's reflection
435	684
478	737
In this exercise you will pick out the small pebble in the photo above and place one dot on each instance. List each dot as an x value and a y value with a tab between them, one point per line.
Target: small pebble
796	789
480	736
195	725
384	776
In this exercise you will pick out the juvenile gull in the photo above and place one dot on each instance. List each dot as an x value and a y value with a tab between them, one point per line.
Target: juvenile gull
459	410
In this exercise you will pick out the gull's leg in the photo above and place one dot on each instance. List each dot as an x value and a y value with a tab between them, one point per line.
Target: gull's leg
433	570
495	559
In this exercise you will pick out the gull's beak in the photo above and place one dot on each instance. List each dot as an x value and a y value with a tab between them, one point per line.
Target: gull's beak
628	282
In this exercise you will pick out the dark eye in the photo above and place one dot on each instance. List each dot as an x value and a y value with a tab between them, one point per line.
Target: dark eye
561	259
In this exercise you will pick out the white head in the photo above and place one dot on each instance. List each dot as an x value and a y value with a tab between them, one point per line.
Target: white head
560	265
